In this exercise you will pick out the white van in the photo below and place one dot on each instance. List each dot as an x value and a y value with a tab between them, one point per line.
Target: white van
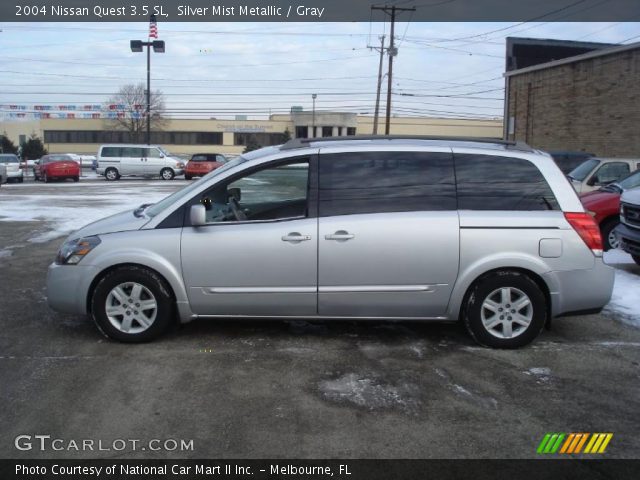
119	160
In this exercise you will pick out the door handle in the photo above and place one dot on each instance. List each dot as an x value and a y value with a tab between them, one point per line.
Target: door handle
340	235
295	237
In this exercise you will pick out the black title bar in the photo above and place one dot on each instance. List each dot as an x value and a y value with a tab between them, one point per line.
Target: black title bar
316	10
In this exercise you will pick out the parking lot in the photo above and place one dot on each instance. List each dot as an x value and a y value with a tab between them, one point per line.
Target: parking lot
244	389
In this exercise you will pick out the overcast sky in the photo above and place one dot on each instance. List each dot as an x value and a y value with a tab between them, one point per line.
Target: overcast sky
227	69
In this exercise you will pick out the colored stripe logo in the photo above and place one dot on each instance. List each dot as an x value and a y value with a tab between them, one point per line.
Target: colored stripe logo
573	443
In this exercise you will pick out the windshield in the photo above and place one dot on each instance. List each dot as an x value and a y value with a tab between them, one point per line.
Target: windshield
164	151
8	159
581	171
176	196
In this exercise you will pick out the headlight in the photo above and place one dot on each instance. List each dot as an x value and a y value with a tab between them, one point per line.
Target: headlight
179	165
73	251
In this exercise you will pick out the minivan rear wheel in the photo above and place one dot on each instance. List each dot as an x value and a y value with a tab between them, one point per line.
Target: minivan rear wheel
132	304
505	309
636	258
111	174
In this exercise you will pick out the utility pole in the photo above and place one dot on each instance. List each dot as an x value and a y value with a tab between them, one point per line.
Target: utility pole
375	118
392	53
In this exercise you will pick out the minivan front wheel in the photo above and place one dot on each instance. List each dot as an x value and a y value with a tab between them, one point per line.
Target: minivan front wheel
167	174
505	309
132	304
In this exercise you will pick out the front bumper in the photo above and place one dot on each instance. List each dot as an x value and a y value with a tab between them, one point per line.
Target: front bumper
14	174
629	239
68	287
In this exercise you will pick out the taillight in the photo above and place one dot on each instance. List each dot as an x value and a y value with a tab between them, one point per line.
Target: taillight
586	226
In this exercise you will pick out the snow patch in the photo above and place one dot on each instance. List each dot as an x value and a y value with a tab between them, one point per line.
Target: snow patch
541	374
5	253
368	393
625	300
616	256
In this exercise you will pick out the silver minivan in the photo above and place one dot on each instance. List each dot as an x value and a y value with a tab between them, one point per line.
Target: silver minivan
115	161
486	232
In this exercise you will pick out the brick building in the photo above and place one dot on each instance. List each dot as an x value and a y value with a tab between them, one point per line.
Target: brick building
589	102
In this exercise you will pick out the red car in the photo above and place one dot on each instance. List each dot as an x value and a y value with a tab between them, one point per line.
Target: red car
202	163
56	167
604	204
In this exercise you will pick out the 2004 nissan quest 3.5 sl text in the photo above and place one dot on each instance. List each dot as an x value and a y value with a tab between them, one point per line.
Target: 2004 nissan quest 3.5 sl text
487	232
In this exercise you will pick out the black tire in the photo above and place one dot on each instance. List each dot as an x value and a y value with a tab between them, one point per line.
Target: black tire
76	179
187	177
605	231
485	289
150	280
167	174
636	258
21	179
111	174
45	178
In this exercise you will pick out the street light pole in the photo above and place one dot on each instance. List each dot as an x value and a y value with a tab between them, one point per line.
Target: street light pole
313	118
148	95
158	47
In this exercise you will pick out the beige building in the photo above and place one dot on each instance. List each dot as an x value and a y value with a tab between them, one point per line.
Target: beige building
186	136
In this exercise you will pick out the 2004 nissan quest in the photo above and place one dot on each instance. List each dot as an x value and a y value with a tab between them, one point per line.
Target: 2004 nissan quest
488	232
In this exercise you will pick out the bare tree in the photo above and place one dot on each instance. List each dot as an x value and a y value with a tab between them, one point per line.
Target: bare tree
129	113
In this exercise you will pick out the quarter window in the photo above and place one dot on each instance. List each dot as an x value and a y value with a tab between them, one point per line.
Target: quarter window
375	182
488	182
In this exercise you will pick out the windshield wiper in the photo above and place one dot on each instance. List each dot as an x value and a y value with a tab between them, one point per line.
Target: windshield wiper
138	212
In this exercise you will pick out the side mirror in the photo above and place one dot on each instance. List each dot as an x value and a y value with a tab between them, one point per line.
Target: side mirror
161	155
198	215
593	181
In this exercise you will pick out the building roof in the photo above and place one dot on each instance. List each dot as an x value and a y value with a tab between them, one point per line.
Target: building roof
578	58
527	52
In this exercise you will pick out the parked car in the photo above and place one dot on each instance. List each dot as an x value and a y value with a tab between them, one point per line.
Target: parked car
596	172
12	164
604	204
568	160
628	231
115	161
202	163
360	228
56	167
3	174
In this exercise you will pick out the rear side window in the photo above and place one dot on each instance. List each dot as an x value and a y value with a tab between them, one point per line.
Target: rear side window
375	182
133	152
111	152
488	182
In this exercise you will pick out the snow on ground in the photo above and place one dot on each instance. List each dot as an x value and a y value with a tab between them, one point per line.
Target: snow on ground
66	213
617	256
625	300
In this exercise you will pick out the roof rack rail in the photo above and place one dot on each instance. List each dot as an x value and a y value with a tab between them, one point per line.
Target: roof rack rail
304	142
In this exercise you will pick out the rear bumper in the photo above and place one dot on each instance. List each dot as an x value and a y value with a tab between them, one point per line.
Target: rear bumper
629	239
580	290
13	174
